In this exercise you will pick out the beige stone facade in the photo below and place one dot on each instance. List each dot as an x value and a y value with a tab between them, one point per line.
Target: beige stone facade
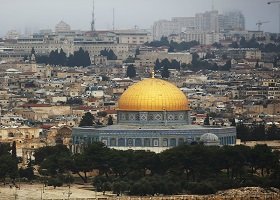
149	58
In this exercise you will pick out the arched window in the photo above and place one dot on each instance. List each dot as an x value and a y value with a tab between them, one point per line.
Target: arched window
147	142
121	142
113	142
180	141
129	142
156	143
165	142
10	134
173	142
138	142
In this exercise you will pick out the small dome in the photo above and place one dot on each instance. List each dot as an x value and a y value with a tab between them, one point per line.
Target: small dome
11	70
209	137
153	95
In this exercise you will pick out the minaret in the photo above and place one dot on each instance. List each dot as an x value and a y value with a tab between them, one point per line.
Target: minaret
92	21
33	63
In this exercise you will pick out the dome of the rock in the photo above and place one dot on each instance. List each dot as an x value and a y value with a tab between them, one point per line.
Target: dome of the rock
153	95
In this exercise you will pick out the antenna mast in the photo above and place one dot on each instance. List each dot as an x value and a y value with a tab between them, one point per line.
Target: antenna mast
92	20
113	19
212	5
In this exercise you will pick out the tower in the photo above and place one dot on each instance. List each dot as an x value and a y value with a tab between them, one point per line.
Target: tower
92	20
33	63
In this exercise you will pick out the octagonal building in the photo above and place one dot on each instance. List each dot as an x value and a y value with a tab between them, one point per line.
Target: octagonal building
153	115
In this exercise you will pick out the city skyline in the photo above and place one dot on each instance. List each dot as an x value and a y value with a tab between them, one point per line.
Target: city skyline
33	15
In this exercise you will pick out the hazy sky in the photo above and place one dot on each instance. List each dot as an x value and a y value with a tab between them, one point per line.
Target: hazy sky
33	15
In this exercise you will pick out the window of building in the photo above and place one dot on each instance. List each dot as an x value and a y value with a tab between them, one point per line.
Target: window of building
155	142
10	135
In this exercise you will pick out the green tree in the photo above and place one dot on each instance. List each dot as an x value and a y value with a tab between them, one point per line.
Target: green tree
227	66
32	51
165	72
81	165
102	114
217	45
273	133
164	41
171	49
131	71
184	66
27	173
206	120
235	159
70	61
80	58
130	59
74	101
157	65
109	54
61	58
242	132
175	64
257	64
243	42
233	123
53	57
120	162
42	153
263	157
110	120
8	167
119	187
97	153
4	148
25	58
234	45
87	120
195	61
56	164
137	52
258	132
165	62
14	150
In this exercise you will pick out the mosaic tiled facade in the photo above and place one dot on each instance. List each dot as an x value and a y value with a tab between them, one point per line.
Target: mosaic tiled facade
151	117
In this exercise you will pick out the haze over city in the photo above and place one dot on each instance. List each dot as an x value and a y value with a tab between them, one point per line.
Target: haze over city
33	15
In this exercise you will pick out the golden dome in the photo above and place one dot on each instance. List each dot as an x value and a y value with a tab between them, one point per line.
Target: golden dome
153	95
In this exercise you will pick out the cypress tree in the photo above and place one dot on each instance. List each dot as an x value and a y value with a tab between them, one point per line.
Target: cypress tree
14	150
206	120
110	120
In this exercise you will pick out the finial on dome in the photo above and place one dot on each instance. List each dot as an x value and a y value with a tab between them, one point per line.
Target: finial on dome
153	73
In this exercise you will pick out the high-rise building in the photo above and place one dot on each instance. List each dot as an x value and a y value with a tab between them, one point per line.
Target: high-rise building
12	34
62	27
232	20
165	28
207	21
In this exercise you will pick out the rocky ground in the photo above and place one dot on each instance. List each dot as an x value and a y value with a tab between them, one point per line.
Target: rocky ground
28	191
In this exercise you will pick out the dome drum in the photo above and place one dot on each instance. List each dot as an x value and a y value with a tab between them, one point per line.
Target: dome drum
153	117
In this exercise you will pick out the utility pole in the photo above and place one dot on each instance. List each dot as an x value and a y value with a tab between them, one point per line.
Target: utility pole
113	19
93	20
